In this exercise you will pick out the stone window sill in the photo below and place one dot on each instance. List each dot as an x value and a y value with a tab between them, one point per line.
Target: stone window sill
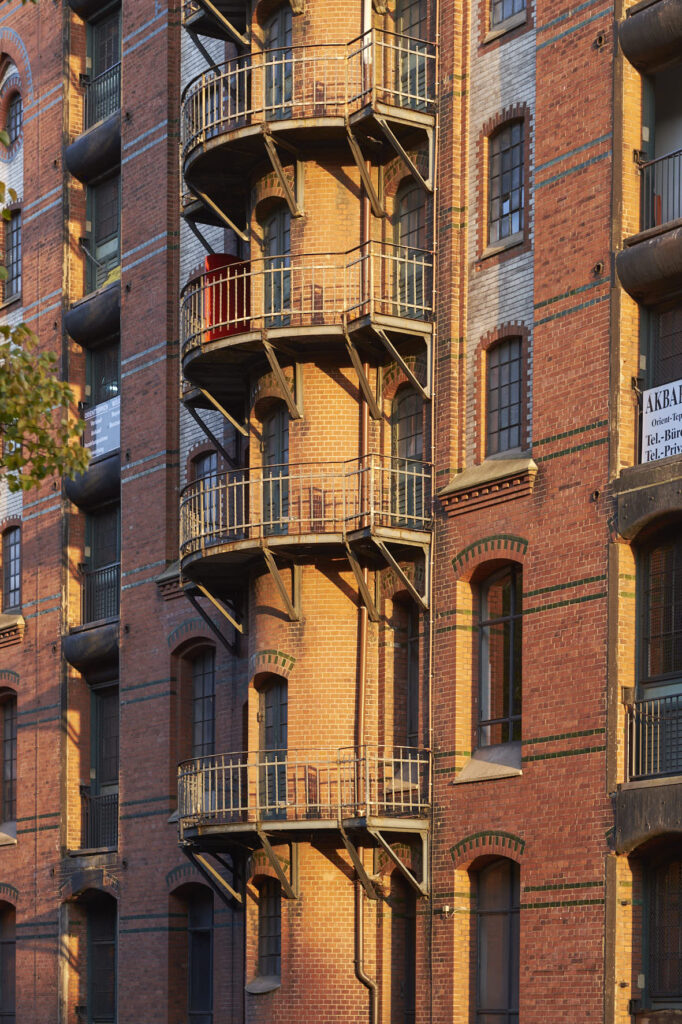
263	983
507	243
502	761
8	833
508	25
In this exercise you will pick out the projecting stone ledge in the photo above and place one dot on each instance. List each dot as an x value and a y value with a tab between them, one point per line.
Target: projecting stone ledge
490	483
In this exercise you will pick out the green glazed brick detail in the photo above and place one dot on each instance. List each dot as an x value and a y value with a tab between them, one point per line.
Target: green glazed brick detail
571	433
541	905
495	542
270	660
563	753
565	586
188	626
564	885
571	451
564	604
565	736
479	840
10	891
7	676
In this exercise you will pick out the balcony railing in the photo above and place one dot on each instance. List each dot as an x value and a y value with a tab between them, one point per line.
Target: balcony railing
101	592
99	819
102	95
305	785
332	80
661	190
655	737
307	290
305	499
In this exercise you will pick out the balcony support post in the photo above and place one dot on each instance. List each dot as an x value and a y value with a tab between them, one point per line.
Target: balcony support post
422	888
365	880
210	623
362	586
370	398
220	885
286	884
421	599
227	221
356	152
214	401
425	392
293	612
294	408
224	23
293	199
426	183
210	435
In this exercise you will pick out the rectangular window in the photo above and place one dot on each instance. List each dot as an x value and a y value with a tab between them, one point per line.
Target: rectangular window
12	287
103	87
506	183
11	569
104	235
103	373
270	929
502	10
200	959
500	633
504	396
9	760
102	961
101	577
203	704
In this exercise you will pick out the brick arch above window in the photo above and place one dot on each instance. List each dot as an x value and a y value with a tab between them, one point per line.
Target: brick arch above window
9	893
502	547
10	88
189	632
271	661
487	843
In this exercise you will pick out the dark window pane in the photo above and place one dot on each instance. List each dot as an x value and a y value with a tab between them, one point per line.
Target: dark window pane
102	962
269	928
9	760
15	118
504	396
498	943
200	957
665	932
12	284
662	622
203	704
7	966
500	648
104	373
11	569
506	186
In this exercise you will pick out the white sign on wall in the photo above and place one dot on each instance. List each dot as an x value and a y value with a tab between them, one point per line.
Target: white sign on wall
103	427
662	422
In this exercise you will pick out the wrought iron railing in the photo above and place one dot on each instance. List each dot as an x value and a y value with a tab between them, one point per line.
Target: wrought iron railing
102	95
330	80
305	499
307	290
305	785
655	737
661	190
99	819
101	592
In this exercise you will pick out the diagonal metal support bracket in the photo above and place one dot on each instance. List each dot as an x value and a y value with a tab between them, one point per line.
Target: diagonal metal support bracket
425	392
292	611
405	157
214	401
365	880
297	6
370	398
276	865
291	198
194	36
220	606
224	23
227	221
293	407
220	885
362	586
209	434
420	887
421	599
199	234
210	623
372	195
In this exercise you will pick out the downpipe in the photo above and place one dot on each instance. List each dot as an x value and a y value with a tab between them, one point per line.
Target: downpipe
360	973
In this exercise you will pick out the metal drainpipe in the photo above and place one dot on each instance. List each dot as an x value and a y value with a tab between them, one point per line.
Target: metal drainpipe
363	978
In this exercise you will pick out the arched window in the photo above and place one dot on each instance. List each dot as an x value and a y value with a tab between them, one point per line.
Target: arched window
273	746
15	118
8	944
506	186
276	470
407	445
498	935
503	396
411	256
278	64
11	569
276	267
269	928
8	713
500	667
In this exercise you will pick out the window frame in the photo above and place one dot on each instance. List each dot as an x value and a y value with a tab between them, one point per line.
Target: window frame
8	942
8	794
647	681
12	229
510	1015
269	910
98	905
203	701
11	569
494	241
511	721
199	893
14	125
518	406
100	267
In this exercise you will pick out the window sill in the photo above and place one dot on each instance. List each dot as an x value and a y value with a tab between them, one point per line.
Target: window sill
8	833
14	300
508	25
502	761
94	624
263	983
508	243
92	851
12	627
495	480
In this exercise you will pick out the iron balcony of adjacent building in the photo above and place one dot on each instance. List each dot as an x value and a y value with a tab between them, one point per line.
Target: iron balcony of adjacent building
651	34
101	593
98	148
99	818
303	791
650	264
227	519
654	738
219	19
